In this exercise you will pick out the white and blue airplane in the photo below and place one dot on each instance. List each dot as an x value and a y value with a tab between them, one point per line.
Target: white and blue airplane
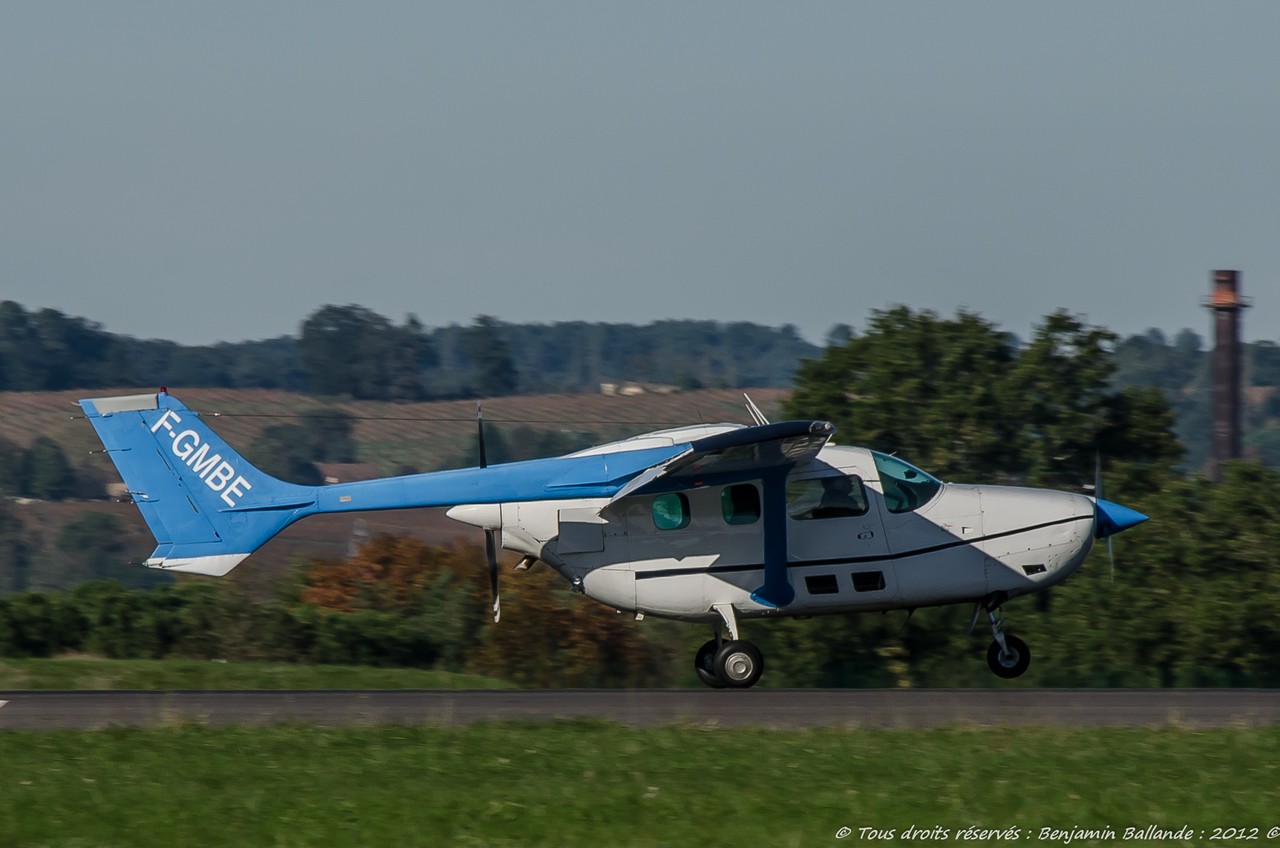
707	523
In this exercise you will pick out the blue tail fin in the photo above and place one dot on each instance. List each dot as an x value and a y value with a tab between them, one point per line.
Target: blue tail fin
207	507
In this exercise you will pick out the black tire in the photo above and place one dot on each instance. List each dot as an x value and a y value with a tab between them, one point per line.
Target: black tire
1012	664
704	665
738	664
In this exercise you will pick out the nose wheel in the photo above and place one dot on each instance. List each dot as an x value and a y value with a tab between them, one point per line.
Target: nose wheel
1011	659
1007	656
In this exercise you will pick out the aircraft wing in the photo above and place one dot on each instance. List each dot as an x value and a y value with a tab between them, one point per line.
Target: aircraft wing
743	453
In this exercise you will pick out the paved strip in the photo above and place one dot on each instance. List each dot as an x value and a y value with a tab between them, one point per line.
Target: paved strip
872	708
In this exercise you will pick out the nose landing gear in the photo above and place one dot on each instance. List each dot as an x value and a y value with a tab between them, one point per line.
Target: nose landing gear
1007	656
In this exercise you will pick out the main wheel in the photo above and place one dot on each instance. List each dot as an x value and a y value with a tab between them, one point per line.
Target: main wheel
1012	663
704	665
738	664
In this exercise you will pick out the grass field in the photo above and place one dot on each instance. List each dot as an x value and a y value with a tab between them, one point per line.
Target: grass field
569	784
89	673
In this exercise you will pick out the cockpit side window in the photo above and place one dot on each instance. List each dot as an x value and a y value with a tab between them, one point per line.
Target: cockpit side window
906	488
826	497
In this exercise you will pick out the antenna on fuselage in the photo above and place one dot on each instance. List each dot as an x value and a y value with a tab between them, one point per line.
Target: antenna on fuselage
756	415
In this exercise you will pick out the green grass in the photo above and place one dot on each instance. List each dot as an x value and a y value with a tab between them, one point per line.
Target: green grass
576	783
89	673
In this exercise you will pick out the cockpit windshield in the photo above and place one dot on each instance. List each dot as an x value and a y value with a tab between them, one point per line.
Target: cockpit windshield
906	488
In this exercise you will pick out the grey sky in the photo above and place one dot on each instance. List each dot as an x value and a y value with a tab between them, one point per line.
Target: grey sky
216	171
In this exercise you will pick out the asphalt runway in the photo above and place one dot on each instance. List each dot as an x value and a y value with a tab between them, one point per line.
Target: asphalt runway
795	708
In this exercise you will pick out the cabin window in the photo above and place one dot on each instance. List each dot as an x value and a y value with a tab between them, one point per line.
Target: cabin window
740	504
906	488
671	511
822	584
826	497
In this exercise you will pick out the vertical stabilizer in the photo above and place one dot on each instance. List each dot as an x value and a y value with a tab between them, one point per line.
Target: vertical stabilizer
207	507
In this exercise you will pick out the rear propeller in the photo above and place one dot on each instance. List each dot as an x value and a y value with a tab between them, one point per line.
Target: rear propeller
490	537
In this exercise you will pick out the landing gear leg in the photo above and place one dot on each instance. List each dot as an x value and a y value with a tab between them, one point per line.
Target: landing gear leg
732	663
1008	656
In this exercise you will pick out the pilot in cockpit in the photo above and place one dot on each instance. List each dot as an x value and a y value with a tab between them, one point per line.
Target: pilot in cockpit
839	499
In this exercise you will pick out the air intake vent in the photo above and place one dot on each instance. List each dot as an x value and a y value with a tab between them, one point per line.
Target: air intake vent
822	584
868	581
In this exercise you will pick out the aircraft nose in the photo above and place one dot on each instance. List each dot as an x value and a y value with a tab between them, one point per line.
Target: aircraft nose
1113	518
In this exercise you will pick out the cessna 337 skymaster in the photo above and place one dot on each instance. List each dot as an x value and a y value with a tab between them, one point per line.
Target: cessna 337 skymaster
710	523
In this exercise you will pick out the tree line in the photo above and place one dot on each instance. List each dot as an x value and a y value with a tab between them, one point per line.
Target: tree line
351	351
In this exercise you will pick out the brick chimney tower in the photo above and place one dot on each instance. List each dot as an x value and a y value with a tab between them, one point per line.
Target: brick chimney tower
1226	304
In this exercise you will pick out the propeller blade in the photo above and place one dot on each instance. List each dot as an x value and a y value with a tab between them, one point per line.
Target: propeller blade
490	539
1097	496
491	554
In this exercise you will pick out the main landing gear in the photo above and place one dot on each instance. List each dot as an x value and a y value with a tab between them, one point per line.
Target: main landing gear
734	663
1007	656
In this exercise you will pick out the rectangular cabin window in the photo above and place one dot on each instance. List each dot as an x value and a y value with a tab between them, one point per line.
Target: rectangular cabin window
826	497
822	584
740	504
868	581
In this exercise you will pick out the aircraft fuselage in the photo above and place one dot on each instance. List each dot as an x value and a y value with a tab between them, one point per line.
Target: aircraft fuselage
680	554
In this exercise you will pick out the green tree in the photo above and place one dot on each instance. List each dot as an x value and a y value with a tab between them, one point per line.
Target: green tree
330	435
350	350
492	368
930	387
286	451
966	401
11	455
92	546
14	551
45	472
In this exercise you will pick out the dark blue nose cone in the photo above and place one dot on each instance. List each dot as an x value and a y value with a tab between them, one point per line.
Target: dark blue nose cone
1112	518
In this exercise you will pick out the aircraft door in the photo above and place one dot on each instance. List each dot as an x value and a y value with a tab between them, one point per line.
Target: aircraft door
833	527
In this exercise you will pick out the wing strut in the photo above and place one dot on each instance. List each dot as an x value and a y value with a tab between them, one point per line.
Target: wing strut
776	591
